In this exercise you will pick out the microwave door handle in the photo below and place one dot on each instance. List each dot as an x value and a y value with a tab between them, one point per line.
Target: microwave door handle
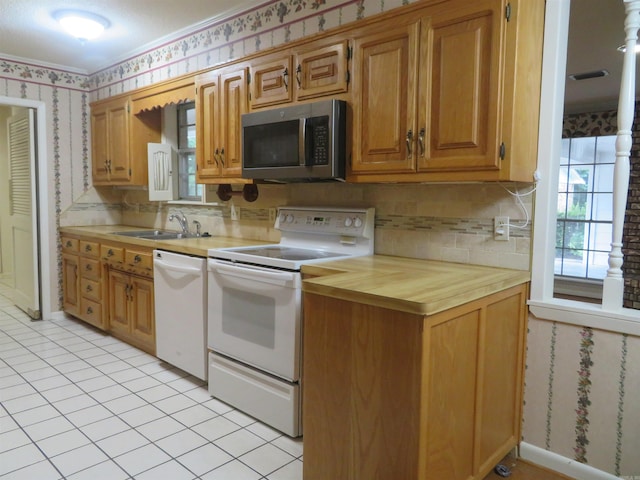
302	135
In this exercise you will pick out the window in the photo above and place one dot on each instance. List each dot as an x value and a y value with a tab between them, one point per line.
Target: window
543	304
585	209
188	189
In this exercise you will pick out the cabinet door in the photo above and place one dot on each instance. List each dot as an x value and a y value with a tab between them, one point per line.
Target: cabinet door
385	100
119	159
452	395
119	298
206	136
462	119
99	146
322	71
233	103
271	81
70	284
142	310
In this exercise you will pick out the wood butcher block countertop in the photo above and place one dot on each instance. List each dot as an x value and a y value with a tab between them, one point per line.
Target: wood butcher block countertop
189	246
411	285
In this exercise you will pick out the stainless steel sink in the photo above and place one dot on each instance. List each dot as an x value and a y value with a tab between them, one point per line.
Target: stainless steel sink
154	234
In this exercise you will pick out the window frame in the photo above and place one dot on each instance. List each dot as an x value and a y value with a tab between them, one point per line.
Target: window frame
183	152
170	136
583	286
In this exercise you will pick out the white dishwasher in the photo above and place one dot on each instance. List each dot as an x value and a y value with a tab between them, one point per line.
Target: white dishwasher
180	290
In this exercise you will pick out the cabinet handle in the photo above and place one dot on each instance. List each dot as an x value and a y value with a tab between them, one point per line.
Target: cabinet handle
68	244
89	310
285	79
110	253
222	157
215	157
137	259
409	141
127	291
89	288
87	248
421	141
88	267
298	72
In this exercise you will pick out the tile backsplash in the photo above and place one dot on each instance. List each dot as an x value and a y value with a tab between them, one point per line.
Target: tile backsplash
436	221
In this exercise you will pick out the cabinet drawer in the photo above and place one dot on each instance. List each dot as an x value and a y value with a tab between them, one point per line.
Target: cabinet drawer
91	312
139	260
90	249
91	289
90	268
109	253
69	244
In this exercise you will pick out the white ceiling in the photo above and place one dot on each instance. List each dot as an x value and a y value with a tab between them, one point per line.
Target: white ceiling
596	29
28	30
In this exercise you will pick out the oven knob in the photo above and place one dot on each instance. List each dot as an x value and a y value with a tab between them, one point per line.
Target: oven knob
289	218
357	222
348	222
283	218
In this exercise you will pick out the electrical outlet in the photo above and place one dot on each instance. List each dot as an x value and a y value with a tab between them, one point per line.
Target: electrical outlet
235	213
501	229
272	215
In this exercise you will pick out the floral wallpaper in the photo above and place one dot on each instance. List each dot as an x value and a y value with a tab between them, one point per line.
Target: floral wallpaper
580	395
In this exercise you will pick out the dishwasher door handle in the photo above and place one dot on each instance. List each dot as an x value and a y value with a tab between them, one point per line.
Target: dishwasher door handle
177	268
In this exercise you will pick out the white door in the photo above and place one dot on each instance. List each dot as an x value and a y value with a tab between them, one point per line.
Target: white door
23	219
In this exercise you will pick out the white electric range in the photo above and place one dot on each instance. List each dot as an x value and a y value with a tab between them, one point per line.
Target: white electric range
255	309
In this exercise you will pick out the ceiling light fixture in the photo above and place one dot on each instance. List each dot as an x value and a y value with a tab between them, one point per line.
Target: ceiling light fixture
82	25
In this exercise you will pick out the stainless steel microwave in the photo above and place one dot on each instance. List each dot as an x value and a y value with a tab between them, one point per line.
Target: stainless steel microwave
296	143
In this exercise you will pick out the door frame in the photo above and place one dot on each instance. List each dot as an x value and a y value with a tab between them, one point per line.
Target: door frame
42	212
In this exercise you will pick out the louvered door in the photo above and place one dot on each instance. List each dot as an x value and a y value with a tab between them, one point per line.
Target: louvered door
22	218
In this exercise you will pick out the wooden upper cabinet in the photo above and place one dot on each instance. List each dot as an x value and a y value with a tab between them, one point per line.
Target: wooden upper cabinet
271	78
464	116
385	99
233	103
311	71
110	142
450	93
322	70
221	99
207	93
119	139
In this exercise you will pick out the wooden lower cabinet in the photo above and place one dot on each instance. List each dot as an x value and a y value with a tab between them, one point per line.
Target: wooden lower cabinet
389	394
110	286
83	281
131	308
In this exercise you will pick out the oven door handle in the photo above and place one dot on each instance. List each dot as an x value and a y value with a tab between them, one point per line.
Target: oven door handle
249	273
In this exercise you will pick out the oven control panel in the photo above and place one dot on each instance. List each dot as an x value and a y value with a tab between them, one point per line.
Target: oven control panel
357	222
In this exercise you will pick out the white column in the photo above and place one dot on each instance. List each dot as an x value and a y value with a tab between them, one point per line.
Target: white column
614	283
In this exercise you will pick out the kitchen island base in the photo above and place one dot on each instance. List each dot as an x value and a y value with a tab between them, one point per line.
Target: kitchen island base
390	394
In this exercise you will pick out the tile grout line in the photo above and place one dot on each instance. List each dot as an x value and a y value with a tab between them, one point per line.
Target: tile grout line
64	346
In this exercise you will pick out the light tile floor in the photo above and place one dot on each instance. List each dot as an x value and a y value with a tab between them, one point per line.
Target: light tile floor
77	404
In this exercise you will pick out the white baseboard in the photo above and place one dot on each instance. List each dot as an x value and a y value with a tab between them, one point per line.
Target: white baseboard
561	464
59	315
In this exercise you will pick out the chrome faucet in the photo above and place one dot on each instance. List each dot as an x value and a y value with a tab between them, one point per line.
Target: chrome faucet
198	227
182	220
